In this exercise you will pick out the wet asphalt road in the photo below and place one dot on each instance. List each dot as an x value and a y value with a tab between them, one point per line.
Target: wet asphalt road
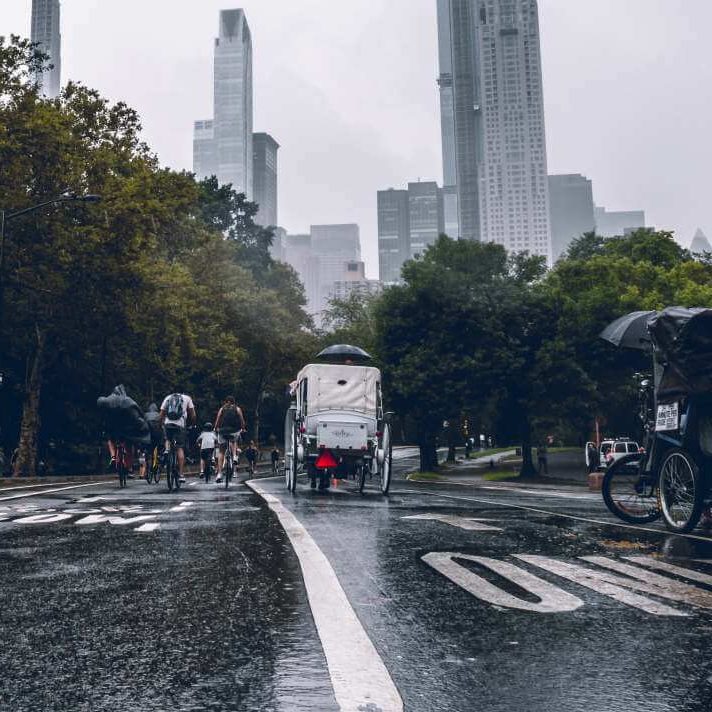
208	609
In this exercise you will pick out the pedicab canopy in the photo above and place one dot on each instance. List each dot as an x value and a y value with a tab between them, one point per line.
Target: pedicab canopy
683	344
339	387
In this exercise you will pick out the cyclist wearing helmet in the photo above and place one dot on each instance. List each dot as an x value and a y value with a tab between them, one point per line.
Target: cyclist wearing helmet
206	442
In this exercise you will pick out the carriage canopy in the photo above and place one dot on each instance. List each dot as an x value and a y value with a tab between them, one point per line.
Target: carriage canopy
339	387
683	342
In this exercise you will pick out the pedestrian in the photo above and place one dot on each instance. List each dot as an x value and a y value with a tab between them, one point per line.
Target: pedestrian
274	457
592	457
541	458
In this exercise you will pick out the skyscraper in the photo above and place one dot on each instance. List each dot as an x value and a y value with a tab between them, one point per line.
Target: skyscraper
425	215
232	119
265	178
700	243
393	234
205	163
571	210
491	72
46	32
617	223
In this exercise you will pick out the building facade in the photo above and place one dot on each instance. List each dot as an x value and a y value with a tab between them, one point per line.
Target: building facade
425	216
570	209
205	160
233	107
265	178
491	65
617	223
354	282
393	234
45	31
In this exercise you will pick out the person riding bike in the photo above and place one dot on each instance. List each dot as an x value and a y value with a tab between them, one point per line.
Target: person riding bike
177	410
229	423
206	442
251	455
153	418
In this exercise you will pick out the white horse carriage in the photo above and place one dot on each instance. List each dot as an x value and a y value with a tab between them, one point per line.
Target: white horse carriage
335	426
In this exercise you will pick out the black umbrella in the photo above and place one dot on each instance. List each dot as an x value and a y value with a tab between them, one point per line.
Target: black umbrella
630	331
344	352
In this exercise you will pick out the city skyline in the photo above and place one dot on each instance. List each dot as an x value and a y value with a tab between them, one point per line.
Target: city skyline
593	104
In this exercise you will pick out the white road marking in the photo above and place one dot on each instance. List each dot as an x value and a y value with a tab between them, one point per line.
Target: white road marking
469	524
543	493
552	598
116	521
689	574
615	587
49	491
358	675
148	527
557	513
24	487
43	518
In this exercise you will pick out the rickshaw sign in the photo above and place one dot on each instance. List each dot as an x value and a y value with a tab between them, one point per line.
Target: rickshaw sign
668	417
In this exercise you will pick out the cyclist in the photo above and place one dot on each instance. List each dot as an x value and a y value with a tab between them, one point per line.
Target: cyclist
177	410
206	442
153	418
229	423
274	456
251	455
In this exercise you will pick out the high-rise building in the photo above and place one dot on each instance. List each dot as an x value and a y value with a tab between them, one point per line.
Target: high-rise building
393	234
45	31
491	72
299	255
425	215
570	209
617	223
232	119
205	163
265	177
353	281
700	243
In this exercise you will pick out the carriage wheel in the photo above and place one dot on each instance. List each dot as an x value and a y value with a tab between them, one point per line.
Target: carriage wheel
290	464
681	491
386	467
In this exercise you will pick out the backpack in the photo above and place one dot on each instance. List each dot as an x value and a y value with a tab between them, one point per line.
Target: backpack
230	420
174	409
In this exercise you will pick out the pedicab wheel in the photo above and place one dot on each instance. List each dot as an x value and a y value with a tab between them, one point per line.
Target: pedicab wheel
626	495
386	466
681	491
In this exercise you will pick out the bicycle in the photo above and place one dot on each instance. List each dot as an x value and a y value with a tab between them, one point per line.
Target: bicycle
153	467
209	467
123	462
172	471
230	461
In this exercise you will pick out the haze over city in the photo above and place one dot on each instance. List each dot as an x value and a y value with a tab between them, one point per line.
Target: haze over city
353	101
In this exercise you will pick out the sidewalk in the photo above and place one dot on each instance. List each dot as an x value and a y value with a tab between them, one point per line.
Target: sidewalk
564	468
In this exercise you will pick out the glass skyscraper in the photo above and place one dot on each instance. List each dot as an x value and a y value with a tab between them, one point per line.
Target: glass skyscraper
265	178
492	112
232	121
45	32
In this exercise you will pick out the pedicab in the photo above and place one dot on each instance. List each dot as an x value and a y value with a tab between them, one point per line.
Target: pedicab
335	425
672	476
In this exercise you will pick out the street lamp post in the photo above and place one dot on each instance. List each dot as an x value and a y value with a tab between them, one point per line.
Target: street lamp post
6	216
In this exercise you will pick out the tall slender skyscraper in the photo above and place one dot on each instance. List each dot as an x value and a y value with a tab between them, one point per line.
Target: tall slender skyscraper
265	178
491	73
45	32
232	120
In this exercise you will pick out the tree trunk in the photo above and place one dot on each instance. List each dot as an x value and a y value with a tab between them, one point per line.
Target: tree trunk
26	463
528	469
428	452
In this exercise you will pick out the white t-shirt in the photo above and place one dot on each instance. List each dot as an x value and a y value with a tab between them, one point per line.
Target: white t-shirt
207	440
187	402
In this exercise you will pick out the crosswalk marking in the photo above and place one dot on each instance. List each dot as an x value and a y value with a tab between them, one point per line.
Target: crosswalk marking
148	527
466	523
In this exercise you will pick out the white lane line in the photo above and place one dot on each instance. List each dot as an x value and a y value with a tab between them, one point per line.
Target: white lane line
542	493
471	525
24	487
358	675
558	513
148	527
50	491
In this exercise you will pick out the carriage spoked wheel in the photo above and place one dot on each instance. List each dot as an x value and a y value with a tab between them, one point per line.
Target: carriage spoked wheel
290	463
384	468
682	493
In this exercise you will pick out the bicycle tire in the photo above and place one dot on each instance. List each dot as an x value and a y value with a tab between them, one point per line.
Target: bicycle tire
170	467
677	466
361	474
621	492
228	466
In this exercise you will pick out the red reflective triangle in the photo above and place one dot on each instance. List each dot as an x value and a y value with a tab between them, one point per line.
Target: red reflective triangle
326	461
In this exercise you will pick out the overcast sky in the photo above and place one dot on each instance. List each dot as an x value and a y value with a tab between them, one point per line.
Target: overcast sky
348	90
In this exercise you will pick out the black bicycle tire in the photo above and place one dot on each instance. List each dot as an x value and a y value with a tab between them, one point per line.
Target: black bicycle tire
362	477
608	479
700	492
170	467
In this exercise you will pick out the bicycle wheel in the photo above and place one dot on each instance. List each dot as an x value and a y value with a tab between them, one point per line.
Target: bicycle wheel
170	469
361	476
682	491
122	474
228	466
628	494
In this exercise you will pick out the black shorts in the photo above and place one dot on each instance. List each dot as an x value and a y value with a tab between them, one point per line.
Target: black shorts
207	454
175	432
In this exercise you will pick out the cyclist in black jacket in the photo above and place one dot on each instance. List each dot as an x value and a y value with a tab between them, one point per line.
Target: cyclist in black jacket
229	423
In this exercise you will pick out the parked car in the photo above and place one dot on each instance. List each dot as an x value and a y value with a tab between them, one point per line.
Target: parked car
608	452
